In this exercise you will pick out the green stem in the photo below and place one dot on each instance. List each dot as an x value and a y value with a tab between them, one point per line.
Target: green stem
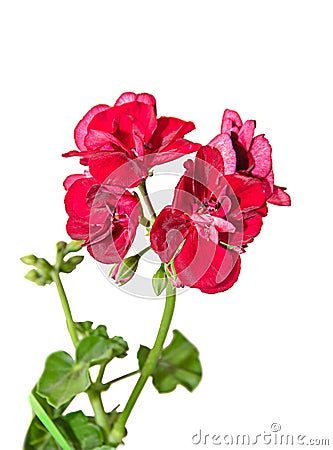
118	430
100	415
127	375
94	396
144	193
66	308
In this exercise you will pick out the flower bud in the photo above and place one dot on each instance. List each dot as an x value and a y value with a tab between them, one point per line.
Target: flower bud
73	246
124	271
159	280
32	275
69	265
30	260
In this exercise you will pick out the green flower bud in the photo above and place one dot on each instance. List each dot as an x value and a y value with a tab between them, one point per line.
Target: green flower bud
32	275
30	260
124	271
159	280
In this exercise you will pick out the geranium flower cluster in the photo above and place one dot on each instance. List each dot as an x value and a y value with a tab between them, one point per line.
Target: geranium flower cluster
218	203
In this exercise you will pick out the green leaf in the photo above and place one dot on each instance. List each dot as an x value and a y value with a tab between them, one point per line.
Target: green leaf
178	364
104	447
87	434
62	379
52	412
94	350
80	432
85	329
159	280
38	438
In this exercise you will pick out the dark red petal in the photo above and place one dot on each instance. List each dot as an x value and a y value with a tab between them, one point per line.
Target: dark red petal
206	266
76	197
252	227
110	245
246	133
141	113
249	191
268	184
102	140
279	197
77	228
208	168
168	232
128	97
111	250
117	169
175	150
230	121
261	152
168	130
71	178
224	144
81	128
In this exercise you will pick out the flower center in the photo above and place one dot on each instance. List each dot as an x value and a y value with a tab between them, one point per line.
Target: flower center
208	225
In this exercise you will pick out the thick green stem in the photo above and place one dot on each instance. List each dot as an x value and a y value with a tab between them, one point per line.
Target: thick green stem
66	308
100	415
118	430
144	193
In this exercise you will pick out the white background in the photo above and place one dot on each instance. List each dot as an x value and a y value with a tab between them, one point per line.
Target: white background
265	345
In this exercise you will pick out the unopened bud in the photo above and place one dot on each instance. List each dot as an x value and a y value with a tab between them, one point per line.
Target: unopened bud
159	280
124	271
29	259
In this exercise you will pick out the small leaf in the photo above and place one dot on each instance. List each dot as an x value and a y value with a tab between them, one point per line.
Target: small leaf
120	346
85	329
159	280
62	379
178	364
94	350
87	433
142	355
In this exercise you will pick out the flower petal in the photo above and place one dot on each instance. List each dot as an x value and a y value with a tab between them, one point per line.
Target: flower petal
279	197
206	266
249	192
117	169
175	150
261	152
128	97
81	128
168	232
230	121
224	144
76	197
167	131
246	133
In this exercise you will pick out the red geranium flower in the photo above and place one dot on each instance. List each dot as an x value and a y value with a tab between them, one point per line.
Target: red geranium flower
121	143
248	155
105	221
211	219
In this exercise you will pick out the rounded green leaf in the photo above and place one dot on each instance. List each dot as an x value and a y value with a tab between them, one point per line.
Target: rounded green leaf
62	379
178	364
